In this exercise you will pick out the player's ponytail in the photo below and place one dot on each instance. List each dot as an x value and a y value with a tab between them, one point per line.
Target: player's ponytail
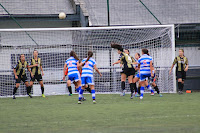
90	54
72	53
138	54
116	46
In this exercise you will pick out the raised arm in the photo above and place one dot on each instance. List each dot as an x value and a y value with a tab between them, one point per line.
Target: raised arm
97	70
117	62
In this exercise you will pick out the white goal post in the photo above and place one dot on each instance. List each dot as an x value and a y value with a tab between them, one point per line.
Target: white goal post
54	45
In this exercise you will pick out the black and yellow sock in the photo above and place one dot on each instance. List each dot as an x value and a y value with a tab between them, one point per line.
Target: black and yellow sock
28	89
182	86
131	87
179	86
156	89
139	90
123	85
42	89
15	90
135	87
88	89
70	89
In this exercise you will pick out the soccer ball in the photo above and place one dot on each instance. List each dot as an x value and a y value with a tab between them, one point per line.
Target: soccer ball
62	15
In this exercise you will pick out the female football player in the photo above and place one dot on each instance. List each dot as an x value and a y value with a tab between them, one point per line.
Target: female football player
182	67
87	75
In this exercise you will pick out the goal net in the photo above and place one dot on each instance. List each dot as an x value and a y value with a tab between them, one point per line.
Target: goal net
55	44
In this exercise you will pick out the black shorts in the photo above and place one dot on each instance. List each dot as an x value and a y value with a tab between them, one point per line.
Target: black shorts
129	71
181	74
36	77
122	71
21	78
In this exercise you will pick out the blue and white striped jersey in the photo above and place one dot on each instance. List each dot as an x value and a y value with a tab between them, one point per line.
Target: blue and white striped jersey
144	62
87	70
72	65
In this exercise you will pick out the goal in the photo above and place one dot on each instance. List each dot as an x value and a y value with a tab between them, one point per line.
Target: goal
54	45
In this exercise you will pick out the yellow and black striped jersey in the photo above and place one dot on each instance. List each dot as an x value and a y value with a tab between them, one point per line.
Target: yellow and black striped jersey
181	63
127	60
36	70
20	68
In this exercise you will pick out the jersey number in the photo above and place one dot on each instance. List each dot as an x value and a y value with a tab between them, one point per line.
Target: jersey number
70	63
145	63
87	64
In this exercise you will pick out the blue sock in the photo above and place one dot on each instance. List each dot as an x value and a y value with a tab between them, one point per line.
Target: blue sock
80	94
78	89
93	94
142	91
149	87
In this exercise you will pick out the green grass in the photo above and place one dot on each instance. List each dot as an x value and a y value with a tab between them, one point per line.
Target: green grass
172	113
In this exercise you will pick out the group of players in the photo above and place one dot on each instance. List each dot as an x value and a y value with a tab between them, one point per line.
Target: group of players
36	73
142	72
80	73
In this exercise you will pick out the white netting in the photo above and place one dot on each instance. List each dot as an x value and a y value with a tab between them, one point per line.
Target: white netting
54	46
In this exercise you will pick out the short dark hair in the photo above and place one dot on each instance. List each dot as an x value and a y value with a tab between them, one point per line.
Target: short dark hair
34	50
20	56
145	51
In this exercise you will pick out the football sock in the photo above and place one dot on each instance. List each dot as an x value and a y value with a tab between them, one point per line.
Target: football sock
131	87
93	94
156	89
139	90
14	90
123	85
179	86
149	87
42	89
80	94
135	87
70	89
142	91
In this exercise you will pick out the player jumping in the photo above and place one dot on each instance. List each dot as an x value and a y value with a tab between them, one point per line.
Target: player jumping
127	66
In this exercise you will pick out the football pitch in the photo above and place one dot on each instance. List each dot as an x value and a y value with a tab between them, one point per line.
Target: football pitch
171	113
